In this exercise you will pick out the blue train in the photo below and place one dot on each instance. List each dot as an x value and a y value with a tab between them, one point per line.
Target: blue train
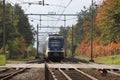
54	47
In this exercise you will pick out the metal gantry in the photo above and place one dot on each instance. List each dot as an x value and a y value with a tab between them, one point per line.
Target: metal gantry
39	27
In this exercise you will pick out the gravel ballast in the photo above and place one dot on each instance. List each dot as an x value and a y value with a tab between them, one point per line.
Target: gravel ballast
31	74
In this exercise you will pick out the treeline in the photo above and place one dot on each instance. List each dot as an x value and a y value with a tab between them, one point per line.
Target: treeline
106	30
19	33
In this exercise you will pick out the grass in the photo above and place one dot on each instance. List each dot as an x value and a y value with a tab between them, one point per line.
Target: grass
114	59
82	58
16	61
2	60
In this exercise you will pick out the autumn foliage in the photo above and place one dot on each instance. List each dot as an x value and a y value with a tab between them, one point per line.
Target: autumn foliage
106	33
19	34
106	30
98	48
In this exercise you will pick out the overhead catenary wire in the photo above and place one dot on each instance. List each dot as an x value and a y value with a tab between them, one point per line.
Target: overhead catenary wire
41	3
53	19
71	18
26	7
20	2
57	19
55	5
60	4
36	2
63	12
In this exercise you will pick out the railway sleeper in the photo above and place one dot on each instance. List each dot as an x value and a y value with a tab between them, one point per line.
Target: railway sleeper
59	75
89	76
75	74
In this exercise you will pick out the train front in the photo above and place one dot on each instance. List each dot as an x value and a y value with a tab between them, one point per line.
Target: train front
56	48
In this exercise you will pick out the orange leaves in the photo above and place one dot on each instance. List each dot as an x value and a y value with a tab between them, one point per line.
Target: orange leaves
106	30
98	48
106	11
114	47
86	23
86	26
83	48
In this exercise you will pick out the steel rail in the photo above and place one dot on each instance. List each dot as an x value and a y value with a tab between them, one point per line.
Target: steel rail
114	73
53	75
65	74
8	76
89	76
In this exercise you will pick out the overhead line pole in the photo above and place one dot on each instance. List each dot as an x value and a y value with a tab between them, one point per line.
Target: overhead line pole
40	21
72	43
91	34
43	2
65	37
37	55
4	27
12	21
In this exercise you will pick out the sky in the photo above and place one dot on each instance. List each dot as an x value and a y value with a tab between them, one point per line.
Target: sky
55	7
74	7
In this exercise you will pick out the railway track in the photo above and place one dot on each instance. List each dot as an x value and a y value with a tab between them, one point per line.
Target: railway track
64	61
75	74
67	70
6	74
70	72
104	74
66	74
39	61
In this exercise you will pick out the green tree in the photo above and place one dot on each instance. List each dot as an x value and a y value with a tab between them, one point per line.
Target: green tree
24	28
108	21
19	32
64	32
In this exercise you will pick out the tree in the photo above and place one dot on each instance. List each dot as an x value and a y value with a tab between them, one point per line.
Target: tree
24	28
108	21
19	32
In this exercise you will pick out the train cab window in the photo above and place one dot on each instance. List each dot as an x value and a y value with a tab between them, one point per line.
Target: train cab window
55	43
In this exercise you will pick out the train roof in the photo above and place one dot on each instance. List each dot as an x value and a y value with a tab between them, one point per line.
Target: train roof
55	36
